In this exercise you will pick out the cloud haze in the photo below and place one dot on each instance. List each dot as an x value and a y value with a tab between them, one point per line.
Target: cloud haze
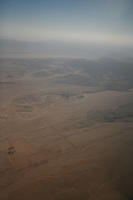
105	22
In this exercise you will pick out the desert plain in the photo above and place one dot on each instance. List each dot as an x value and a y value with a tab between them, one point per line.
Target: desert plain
66	129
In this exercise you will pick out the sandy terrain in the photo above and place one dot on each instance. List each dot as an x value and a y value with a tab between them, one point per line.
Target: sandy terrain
66	130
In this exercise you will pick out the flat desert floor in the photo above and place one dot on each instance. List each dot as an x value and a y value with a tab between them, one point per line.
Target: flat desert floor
66	129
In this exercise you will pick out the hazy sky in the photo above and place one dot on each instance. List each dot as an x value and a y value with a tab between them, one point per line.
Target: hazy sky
98	21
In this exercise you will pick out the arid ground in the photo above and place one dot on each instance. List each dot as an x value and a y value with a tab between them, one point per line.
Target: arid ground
66	129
